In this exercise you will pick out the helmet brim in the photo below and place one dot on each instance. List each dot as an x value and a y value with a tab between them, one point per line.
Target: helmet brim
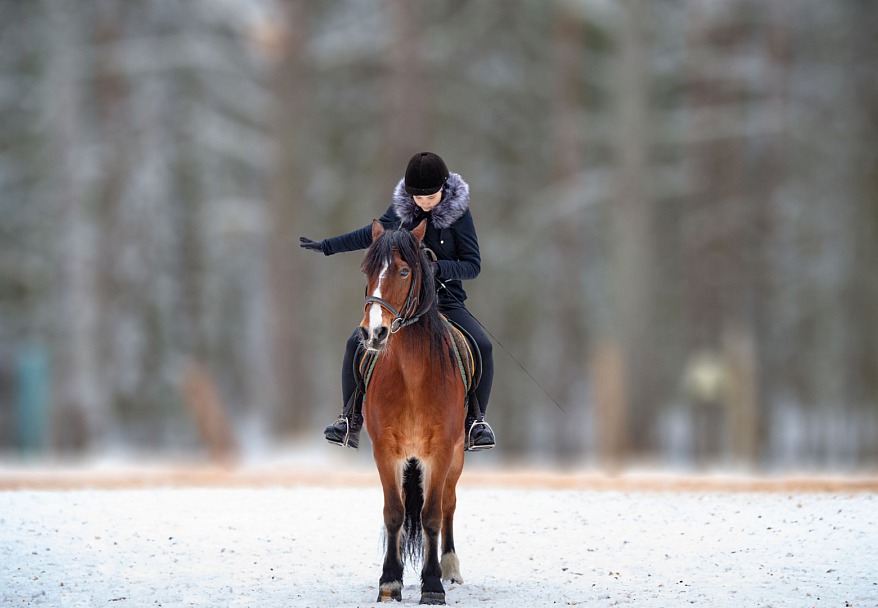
423	191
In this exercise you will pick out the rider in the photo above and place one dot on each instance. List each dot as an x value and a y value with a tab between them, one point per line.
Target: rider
427	191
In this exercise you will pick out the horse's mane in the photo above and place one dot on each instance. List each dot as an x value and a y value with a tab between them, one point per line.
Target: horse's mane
406	245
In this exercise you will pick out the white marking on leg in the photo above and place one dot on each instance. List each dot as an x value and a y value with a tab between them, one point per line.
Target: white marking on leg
389	592
450	566
375	310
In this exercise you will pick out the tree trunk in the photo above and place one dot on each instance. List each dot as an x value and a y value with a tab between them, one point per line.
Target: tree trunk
288	220
566	303
632	262
81	412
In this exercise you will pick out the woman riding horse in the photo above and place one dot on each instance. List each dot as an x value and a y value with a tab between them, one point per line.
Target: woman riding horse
413	411
427	192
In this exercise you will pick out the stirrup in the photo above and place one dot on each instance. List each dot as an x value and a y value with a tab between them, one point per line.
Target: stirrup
470	446
351	439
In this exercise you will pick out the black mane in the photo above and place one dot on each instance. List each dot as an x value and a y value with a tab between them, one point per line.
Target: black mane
406	245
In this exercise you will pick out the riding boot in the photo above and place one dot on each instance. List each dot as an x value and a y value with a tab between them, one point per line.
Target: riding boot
345	431
479	434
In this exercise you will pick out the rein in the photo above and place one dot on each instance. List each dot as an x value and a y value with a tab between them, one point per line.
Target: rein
442	285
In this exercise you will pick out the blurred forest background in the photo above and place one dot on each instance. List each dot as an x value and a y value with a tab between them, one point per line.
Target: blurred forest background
677	203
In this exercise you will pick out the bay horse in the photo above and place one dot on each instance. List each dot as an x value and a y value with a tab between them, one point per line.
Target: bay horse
413	411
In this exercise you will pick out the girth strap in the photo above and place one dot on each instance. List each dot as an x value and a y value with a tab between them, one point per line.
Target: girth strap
366	367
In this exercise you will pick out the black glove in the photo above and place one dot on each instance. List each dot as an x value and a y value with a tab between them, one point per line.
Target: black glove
307	243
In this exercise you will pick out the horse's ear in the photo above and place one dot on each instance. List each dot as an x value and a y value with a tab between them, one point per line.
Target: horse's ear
377	229
420	230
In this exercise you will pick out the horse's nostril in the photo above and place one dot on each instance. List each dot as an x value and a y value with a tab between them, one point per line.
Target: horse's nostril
364	333
381	333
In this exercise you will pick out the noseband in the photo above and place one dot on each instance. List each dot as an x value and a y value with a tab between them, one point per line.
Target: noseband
403	319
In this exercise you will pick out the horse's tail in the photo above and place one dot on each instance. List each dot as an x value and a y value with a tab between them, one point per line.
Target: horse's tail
413	490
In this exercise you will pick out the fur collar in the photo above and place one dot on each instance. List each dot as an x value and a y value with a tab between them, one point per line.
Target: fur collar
455	203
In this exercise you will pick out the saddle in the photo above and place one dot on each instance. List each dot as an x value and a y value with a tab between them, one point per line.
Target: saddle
463	350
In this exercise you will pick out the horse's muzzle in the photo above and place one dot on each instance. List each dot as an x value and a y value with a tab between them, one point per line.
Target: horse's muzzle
374	340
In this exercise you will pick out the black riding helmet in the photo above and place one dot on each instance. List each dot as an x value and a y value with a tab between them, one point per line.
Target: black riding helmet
426	174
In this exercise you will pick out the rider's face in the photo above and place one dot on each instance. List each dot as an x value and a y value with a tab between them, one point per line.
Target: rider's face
429	201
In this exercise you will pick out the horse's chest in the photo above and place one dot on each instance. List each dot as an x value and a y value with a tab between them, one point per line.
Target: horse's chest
397	386
406	393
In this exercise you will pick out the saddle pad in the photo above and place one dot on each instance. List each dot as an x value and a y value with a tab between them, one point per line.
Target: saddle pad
463	351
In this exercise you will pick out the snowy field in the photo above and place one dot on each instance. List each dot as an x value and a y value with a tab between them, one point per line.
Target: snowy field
519	548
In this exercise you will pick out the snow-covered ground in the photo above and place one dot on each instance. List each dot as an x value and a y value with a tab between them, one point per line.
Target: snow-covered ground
519	548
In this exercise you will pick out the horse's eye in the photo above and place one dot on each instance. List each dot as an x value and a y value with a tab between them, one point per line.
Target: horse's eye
404	272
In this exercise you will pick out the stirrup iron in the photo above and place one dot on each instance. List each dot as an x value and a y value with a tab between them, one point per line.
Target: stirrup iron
346	441
469	446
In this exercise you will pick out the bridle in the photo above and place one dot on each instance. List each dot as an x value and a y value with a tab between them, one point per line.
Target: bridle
409	307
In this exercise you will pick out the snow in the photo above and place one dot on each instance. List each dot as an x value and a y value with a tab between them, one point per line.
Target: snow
519	547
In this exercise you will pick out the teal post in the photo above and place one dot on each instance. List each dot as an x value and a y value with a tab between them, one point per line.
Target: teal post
32	399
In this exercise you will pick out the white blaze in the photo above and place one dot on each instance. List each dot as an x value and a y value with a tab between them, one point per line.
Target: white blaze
375	310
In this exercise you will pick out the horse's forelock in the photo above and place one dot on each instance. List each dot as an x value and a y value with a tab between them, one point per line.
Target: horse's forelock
379	252
383	248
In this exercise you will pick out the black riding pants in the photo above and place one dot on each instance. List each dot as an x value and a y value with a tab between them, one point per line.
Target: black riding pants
462	317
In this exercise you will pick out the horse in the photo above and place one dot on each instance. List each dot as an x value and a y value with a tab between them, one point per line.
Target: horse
413	411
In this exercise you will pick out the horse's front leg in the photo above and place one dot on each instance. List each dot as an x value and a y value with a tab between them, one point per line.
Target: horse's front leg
450	564
390	584
432	591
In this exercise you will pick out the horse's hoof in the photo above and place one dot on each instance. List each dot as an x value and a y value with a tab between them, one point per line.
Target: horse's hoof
389	592
433	598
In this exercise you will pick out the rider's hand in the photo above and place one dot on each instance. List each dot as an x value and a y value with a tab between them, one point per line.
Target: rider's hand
310	245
